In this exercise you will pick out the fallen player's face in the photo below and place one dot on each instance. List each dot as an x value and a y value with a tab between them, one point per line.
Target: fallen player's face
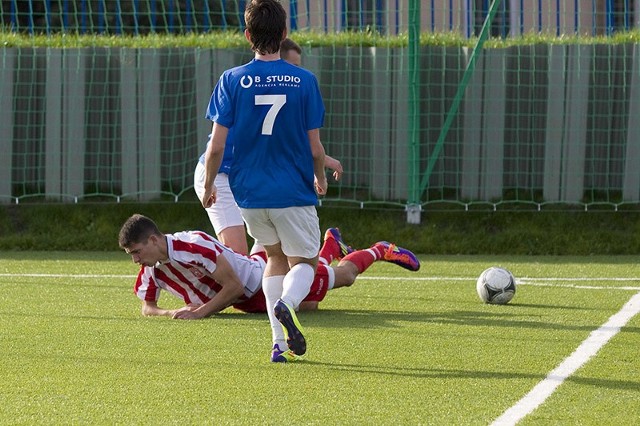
142	253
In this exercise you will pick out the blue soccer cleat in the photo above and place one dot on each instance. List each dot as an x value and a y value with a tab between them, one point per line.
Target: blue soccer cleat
292	328
400	256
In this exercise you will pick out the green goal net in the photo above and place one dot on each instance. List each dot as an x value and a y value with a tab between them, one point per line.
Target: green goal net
430	105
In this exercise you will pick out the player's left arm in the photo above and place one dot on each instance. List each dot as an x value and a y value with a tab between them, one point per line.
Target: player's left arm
232	289
335	165
318	154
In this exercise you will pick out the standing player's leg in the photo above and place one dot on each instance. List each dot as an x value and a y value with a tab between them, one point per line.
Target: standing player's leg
260	227
272	285
299	232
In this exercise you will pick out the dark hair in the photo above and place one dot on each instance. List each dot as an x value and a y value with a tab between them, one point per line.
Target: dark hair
137	229
266	22
287	44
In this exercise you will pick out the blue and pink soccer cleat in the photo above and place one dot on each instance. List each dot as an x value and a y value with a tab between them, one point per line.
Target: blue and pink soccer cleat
400	256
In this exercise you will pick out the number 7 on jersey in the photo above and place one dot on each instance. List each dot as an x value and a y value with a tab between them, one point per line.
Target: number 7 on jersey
276	102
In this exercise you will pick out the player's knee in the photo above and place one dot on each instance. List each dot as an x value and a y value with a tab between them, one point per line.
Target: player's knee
348	278
352	279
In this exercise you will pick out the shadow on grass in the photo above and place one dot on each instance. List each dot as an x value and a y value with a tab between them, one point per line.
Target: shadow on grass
356	319
434	373
384	319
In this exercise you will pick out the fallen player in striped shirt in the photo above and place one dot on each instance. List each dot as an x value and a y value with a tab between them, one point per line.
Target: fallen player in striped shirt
209	277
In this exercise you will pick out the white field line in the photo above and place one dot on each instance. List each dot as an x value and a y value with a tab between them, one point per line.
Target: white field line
589	347
533	281
539	282
67	275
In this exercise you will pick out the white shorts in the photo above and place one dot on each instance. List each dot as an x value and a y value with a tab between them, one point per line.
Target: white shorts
296	228
224	212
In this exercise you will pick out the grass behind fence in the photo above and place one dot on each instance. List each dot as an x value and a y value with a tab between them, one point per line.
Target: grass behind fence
235	39
396	348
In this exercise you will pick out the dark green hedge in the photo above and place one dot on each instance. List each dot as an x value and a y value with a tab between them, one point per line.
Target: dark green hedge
95	227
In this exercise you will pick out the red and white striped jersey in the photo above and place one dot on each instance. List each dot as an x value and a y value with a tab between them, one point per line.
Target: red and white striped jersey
187	274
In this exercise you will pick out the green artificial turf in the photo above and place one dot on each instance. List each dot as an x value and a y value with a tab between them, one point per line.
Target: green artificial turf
395	348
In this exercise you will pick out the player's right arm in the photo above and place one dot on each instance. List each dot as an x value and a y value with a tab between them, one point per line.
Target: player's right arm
318	154
212	160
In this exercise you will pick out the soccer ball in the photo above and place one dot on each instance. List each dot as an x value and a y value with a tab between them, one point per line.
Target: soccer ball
496	285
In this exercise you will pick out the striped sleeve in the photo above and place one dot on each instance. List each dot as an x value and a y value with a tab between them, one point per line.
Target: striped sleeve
146	288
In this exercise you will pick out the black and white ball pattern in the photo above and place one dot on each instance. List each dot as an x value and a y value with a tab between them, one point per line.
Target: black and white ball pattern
496	286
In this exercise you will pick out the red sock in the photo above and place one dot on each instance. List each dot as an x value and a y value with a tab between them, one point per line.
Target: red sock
362	258
379	250
330	251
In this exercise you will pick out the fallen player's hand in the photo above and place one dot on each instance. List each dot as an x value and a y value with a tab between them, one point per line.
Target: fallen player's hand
187	313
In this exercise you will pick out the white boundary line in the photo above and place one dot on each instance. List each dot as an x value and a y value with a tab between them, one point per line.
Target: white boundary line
523	280
540	282
589	347
67	275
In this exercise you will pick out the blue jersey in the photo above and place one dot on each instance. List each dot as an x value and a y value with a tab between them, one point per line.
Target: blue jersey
269	106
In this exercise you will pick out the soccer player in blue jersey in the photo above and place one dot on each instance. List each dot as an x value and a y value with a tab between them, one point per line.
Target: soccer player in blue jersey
224	215
277	172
